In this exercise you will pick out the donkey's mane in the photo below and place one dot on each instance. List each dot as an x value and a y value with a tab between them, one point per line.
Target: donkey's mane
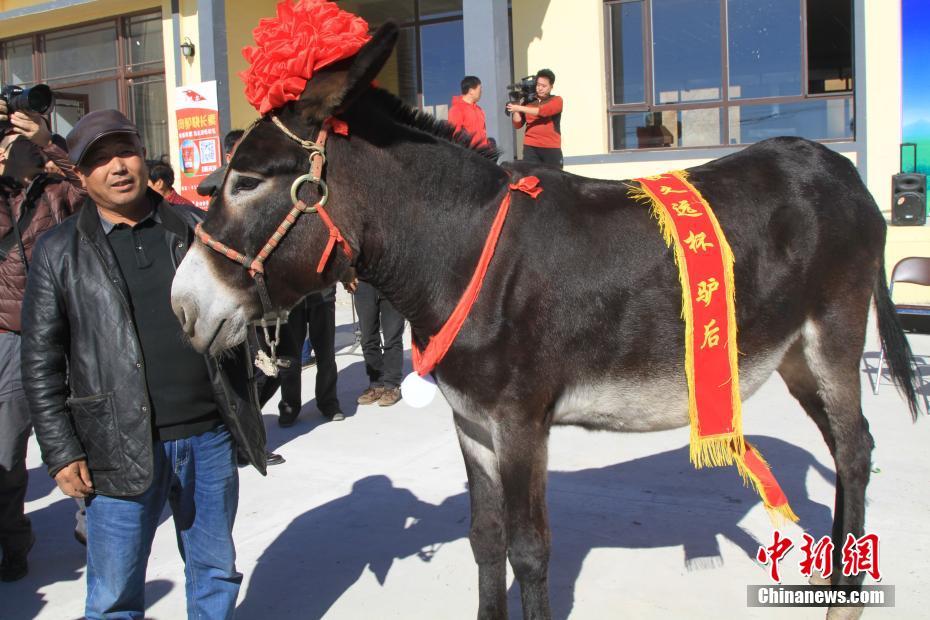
404	114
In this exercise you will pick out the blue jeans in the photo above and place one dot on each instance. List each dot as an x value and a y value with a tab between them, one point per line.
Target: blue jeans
198	477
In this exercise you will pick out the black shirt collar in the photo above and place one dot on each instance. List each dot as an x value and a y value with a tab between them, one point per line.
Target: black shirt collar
108	226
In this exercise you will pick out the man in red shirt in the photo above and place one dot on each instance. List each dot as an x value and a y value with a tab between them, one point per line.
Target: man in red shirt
466	115
543	140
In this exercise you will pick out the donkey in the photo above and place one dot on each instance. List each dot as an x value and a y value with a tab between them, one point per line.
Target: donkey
579	321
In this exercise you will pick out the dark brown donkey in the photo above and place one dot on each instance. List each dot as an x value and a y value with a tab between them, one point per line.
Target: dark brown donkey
579	321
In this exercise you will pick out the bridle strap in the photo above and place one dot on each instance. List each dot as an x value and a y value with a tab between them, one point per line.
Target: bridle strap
317	155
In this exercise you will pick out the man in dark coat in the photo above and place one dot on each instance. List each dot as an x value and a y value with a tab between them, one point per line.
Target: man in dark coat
31	202
127	414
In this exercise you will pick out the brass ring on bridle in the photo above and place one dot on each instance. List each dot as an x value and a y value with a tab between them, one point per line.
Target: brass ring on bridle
324	189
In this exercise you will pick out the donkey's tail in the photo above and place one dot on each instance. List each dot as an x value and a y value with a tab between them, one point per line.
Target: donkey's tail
897	350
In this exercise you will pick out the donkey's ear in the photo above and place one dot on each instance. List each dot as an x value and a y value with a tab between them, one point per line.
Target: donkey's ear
333	89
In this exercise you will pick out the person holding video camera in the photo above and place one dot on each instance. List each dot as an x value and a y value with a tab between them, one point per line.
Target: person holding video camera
543	139
31	202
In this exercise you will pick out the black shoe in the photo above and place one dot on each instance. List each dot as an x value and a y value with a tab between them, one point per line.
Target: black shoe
273	459
287	415
14	566
335	416
307	362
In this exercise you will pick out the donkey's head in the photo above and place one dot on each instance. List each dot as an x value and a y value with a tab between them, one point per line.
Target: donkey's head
238	271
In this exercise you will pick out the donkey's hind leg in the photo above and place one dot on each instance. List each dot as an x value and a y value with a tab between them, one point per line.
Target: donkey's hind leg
487	535
821	370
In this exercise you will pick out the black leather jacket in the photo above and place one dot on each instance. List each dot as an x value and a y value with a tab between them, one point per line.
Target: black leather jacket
82	360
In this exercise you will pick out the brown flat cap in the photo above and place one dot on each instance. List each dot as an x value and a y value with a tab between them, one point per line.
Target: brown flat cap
92	127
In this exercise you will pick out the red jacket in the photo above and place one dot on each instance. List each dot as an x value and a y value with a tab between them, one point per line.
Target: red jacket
174	198
543	131
57	199
469	117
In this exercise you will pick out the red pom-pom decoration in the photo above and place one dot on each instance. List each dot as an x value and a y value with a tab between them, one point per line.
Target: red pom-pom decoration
305	37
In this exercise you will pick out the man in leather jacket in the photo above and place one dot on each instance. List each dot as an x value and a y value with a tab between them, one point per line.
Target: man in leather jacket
31	202
127	414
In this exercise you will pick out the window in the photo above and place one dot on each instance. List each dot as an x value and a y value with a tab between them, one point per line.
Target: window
829	46
629	75
427	65
699	73
116	63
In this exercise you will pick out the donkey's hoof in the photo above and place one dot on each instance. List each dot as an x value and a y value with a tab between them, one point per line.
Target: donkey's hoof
844	613
816	579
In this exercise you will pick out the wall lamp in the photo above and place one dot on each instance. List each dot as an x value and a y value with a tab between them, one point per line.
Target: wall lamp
188	48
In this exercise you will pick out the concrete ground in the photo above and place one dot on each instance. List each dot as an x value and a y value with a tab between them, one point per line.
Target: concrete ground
369	517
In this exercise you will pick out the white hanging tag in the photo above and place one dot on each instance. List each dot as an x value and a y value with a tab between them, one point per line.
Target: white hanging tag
264	363
418	391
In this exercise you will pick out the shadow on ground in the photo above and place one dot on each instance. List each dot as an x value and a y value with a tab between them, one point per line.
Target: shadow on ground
651	502
56	557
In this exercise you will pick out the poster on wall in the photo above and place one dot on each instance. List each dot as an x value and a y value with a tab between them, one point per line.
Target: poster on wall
198	137
916	82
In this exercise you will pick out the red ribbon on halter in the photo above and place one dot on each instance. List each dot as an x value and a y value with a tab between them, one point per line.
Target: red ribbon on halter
335	236
425	361
339	126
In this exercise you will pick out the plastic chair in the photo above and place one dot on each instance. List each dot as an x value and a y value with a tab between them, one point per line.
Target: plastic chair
911	270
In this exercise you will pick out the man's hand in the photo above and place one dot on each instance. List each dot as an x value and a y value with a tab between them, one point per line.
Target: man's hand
4	115
31	125
351	286
74	479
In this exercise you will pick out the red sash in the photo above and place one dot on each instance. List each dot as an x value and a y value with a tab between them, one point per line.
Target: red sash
705	266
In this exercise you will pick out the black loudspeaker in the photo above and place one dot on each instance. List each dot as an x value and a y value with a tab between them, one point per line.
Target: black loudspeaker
909	195
909	199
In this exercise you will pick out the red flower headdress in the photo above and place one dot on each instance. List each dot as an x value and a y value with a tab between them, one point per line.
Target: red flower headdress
290	48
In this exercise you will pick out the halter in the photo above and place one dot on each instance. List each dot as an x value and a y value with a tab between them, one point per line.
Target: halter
316	151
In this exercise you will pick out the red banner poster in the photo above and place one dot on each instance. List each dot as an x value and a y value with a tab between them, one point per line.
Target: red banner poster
198	137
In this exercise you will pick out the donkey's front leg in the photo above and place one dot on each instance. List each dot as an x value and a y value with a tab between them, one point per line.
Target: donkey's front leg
522	452
487	536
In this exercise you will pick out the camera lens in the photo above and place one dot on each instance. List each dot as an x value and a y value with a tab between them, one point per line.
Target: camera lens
35	99
39	98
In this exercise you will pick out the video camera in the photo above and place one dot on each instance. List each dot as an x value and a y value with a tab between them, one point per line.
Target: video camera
38	98
522	92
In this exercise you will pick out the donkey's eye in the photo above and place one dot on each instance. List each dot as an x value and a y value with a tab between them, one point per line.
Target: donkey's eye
245	184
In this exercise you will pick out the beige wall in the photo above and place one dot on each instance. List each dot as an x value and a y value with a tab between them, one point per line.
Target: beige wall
241	19
879	90
567	36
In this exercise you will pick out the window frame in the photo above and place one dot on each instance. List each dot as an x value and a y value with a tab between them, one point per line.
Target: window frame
123	75
725	103
416	24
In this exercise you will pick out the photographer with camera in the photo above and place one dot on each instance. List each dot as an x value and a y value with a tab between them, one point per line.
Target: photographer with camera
31	202
543	139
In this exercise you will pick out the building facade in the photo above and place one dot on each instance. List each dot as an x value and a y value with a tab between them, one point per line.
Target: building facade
648	85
